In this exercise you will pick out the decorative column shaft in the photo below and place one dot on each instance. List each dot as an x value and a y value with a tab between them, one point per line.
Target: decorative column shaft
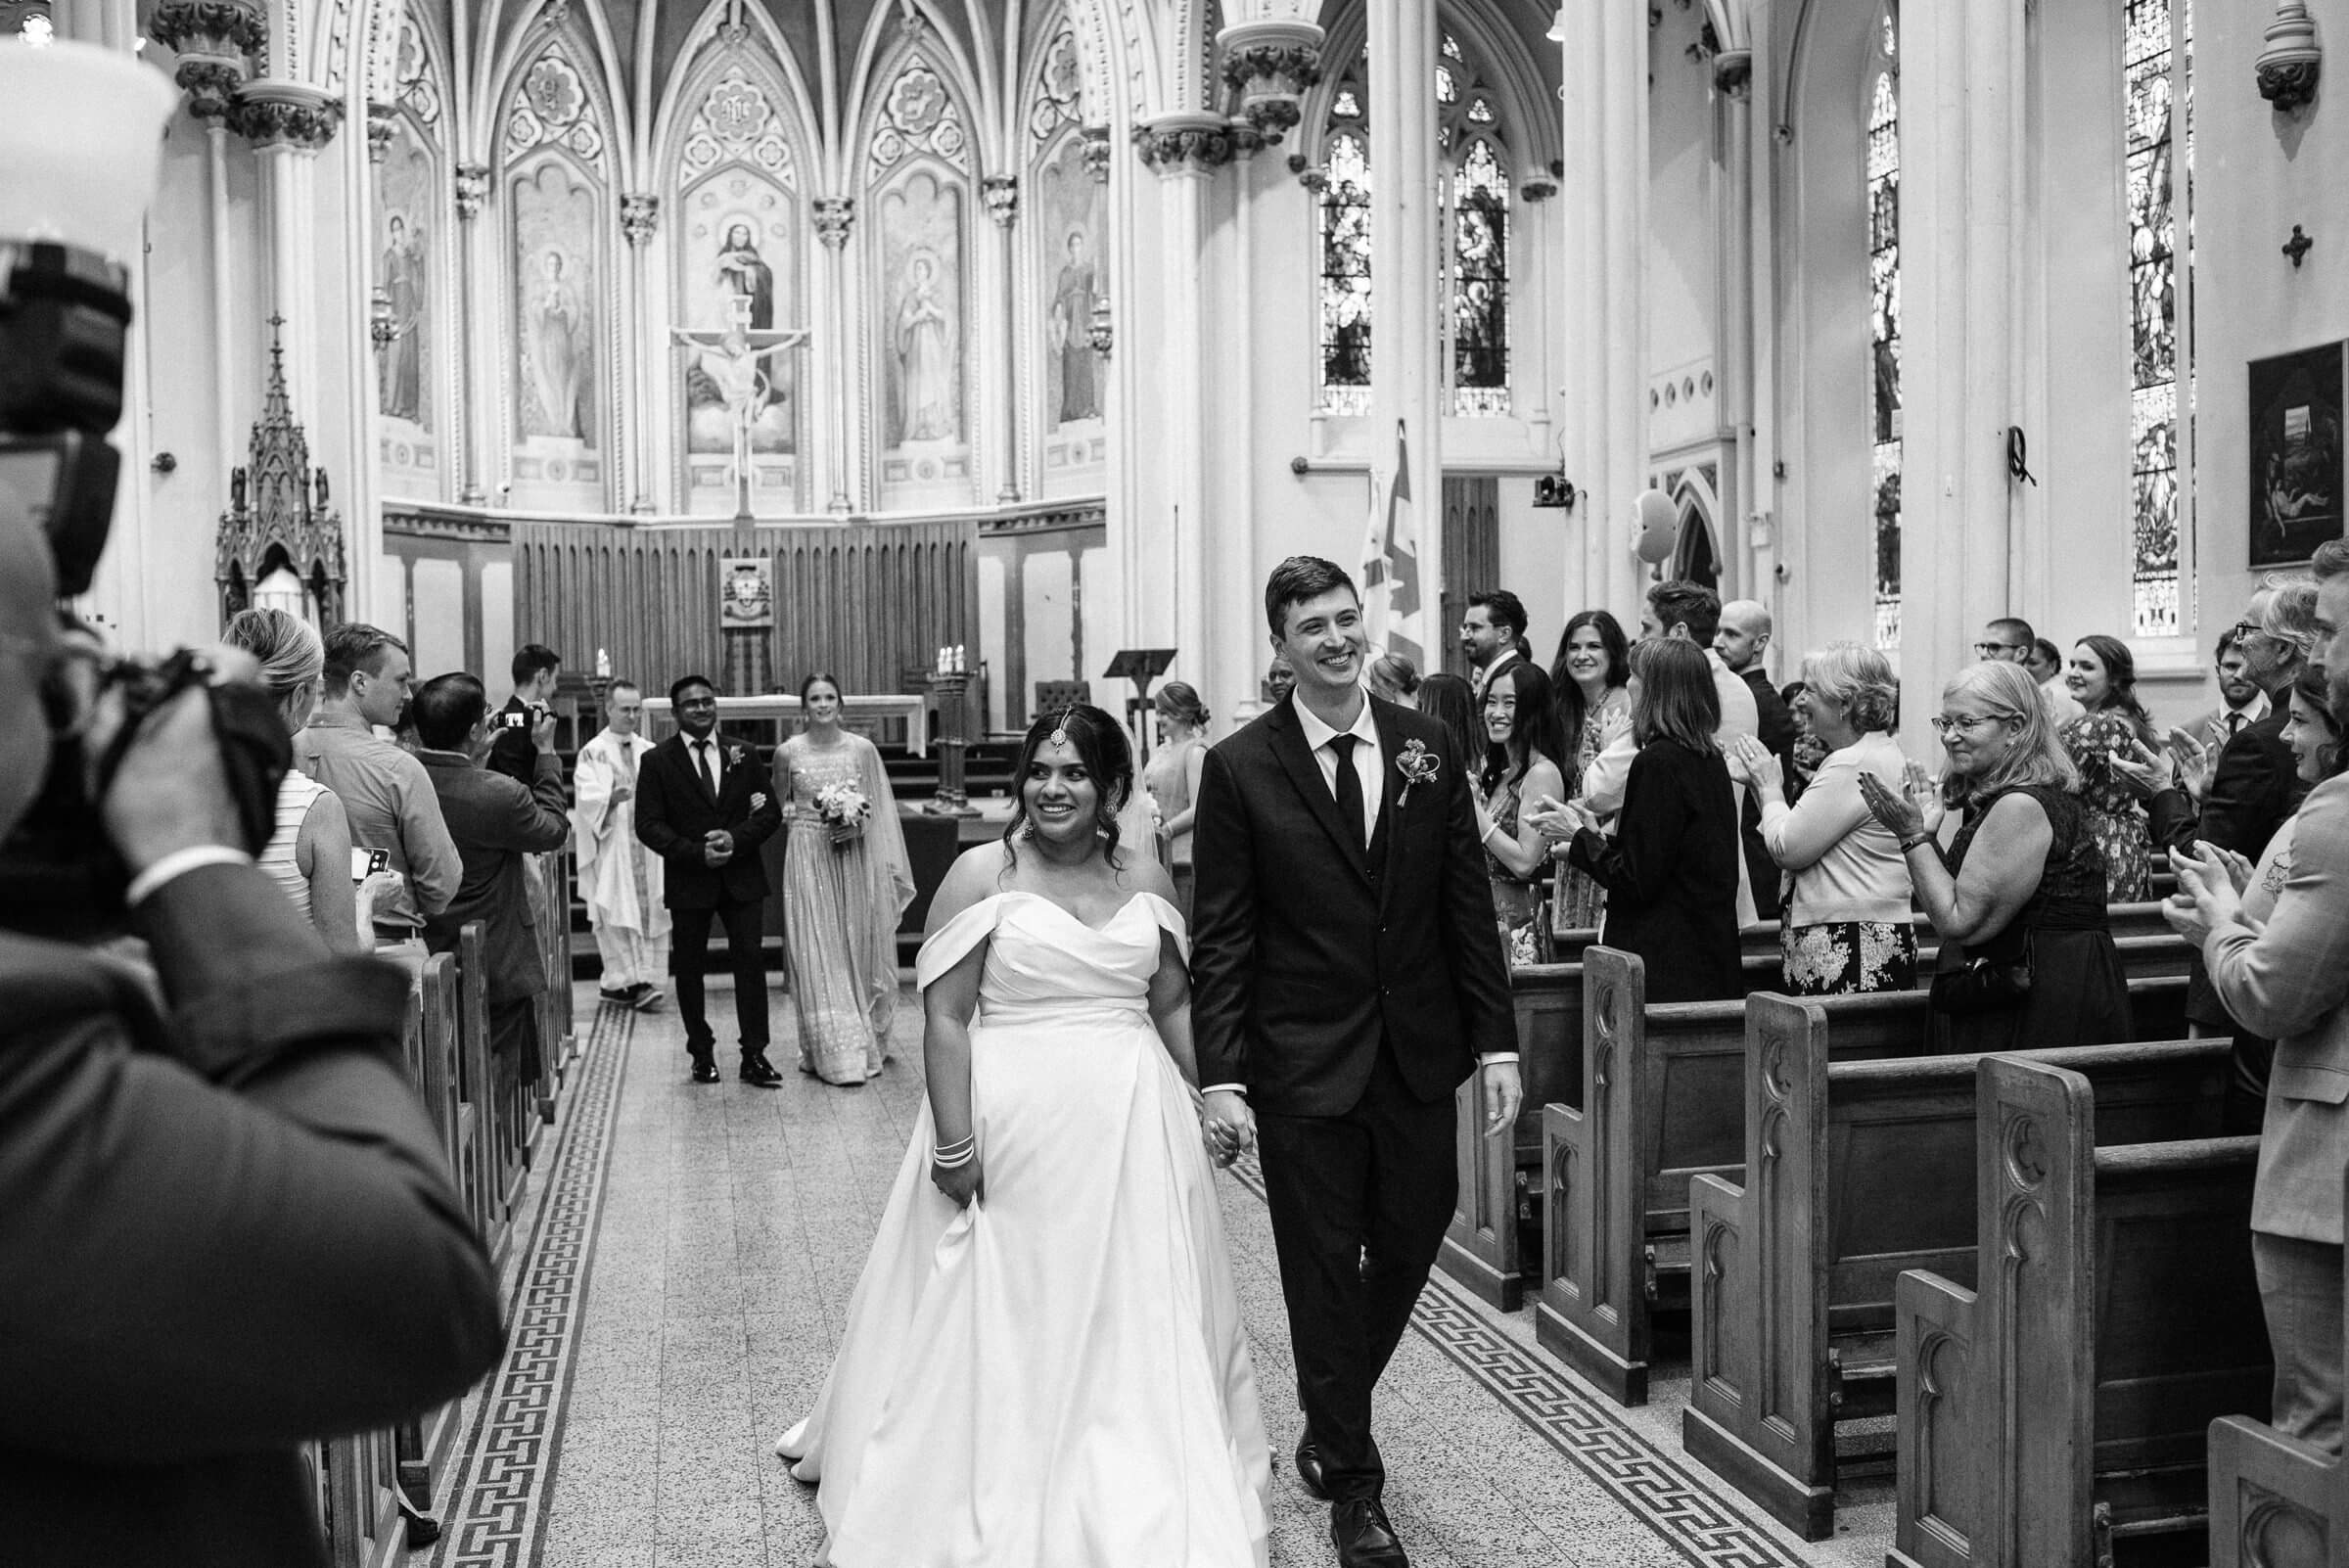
1406	375
639	224
835	218
289	123
472	187
1001	425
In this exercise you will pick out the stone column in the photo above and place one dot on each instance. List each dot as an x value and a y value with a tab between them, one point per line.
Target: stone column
1406	340
1000	429
288	123
480	428
1743	532
646	331
1187	150
833	361
1961	106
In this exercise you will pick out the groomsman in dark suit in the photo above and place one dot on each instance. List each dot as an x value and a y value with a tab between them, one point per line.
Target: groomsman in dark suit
1346	978
702	805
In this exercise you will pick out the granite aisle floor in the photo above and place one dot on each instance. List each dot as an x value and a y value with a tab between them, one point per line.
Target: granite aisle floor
720	1232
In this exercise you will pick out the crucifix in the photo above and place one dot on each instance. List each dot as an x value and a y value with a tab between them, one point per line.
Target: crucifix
737	360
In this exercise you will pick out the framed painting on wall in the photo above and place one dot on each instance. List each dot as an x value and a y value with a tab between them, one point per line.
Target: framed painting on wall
2295	454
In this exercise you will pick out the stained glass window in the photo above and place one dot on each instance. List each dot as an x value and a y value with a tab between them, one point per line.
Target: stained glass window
1346	275
2152	61
1480	284
1884	335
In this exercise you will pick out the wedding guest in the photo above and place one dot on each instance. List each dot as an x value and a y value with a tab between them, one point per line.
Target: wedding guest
309	855
2026	958
2241	702
2009	639
2103	680
846	883
1171	776
1280	678
1490	632
1521	723
2043	662
1447	699
1671	869
1591	678
621	881
536	669
2287	976
1741	640
2315	737
1847	926
1396	678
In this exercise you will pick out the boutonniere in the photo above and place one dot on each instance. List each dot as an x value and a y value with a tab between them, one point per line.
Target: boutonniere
734	756
1418	765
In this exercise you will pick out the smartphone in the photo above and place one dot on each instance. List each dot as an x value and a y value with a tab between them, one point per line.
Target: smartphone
366	863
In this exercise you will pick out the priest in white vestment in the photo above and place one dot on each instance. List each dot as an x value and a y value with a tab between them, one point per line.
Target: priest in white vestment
620	879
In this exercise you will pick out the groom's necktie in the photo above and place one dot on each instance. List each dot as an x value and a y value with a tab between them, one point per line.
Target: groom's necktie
1350	789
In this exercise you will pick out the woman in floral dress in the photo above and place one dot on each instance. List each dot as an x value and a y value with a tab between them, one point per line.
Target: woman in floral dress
1521	720
2102	677
1592	679
845	886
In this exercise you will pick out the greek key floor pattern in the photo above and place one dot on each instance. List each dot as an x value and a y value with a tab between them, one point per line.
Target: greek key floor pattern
687	1273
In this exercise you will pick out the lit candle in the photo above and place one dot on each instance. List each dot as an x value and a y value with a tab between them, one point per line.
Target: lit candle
603	664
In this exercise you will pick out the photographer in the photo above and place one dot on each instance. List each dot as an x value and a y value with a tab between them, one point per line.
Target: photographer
537	670
228	1228
497	824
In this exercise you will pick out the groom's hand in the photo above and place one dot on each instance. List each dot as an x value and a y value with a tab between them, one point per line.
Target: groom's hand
1504	1093
1231	1122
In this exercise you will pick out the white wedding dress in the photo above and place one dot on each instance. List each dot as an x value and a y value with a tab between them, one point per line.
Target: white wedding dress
1057	1375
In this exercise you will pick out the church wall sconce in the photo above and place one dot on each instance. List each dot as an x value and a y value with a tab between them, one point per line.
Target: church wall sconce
2291	63
1554	490
2298	246
1100	332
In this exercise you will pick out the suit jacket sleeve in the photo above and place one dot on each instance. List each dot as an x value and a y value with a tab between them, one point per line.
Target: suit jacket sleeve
1223	924
2248	793
1480	974
1638	861
656	829
532	819
2280	980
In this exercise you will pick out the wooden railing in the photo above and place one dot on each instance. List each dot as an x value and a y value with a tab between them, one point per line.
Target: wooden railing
489	1126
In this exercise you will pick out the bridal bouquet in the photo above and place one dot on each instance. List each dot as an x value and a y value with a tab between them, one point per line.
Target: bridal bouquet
842	806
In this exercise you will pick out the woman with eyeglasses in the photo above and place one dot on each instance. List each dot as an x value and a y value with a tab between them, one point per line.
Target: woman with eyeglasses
2102	678
2018	898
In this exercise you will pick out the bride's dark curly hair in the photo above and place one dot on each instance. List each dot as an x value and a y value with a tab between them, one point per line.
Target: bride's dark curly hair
1101	746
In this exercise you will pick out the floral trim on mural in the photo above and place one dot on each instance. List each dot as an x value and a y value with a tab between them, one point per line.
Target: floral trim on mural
736	124
552	110
1060	95
918	116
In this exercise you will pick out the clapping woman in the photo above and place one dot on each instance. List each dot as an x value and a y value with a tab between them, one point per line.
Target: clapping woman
1521	723
846	882
1591	678
2026	955
2102	677
1670	870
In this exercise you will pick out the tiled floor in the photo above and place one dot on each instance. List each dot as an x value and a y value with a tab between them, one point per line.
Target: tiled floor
733	1224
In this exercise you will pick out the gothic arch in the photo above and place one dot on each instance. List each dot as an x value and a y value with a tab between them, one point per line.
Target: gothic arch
594	50
1526	102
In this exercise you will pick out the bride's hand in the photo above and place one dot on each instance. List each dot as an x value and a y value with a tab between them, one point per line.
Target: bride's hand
961	1183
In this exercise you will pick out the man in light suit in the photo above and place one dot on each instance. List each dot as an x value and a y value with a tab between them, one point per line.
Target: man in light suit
702	804
498	825
1346	978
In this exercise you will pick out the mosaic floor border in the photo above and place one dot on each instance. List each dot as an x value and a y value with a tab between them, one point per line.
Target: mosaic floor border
497	1500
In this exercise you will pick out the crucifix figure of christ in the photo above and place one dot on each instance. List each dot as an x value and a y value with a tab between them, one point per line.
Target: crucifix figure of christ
737	360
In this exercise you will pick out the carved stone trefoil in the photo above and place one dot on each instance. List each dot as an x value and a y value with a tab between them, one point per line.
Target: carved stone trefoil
278	513
1272	64
213	41
2293	61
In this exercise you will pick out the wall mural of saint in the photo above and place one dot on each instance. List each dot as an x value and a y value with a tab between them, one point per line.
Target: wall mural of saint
1072	269
739	240
404	207
921	257
556	334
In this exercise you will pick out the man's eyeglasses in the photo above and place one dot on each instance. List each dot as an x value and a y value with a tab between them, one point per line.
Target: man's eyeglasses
1943	724
1997	650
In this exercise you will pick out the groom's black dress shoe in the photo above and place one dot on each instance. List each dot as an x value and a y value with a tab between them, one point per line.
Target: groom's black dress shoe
705	1068
1309	1466
758	1072
1365	1538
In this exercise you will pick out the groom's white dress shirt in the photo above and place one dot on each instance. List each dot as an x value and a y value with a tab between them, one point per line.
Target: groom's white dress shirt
1367	758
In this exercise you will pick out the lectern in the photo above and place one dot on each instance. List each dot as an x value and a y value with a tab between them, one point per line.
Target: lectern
1141	666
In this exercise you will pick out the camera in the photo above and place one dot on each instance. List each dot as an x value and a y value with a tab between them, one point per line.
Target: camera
64	313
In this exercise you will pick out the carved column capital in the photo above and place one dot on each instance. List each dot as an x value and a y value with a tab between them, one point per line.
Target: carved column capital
285	113
1001	193
213	39
639	217
1095	152
1538	190
2291	63
382	122
473	187
1272	64
835	216
1733	73
1186	143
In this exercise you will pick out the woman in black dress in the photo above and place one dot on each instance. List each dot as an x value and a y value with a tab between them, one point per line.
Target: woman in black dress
1670	870
2026	955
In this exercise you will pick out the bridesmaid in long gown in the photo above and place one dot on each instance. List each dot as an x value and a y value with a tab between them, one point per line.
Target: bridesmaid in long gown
843	891
1044	1365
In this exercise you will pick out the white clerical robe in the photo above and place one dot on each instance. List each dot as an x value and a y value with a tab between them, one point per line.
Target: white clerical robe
620	879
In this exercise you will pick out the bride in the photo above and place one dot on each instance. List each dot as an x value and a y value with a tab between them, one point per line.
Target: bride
1044	1365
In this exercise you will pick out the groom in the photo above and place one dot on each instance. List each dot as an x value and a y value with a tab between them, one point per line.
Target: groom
1346	978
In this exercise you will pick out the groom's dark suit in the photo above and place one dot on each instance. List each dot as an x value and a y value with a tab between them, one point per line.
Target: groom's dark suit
1350	989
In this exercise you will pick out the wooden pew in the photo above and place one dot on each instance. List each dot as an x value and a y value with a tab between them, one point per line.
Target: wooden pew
1499	1180
557	1041
2064	1406
1857	1171
2276	1501
1663	1097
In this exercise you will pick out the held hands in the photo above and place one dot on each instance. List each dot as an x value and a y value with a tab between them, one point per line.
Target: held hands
1504	1095
1228	1126
1751	763
1899	813
717	848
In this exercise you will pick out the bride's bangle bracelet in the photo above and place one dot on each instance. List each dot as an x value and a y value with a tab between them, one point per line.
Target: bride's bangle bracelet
960	1152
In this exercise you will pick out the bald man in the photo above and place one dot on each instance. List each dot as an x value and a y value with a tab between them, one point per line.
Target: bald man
1741	641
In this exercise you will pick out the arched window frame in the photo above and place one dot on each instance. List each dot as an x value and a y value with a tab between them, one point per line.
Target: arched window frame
2157	147
1342	249
1881	109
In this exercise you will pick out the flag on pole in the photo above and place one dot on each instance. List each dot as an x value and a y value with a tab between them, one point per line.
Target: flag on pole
1391	600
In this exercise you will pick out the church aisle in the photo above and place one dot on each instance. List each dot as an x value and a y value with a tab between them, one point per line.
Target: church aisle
732	1224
